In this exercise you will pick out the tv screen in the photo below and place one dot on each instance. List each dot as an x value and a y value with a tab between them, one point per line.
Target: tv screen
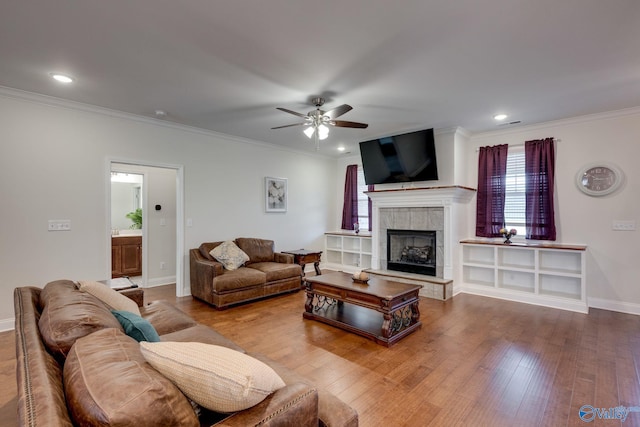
401	158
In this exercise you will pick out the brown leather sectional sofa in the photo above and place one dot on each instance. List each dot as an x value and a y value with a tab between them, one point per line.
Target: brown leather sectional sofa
266	273
51	393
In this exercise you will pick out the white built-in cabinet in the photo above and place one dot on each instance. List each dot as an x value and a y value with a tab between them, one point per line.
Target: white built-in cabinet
551	275
347	251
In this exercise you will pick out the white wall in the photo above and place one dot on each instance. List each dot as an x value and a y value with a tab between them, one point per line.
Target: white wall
612	256
61	151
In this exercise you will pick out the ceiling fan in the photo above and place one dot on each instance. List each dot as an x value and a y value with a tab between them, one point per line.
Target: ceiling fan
318	120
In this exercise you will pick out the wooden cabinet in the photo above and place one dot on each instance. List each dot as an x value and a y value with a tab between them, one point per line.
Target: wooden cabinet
552	275
126	256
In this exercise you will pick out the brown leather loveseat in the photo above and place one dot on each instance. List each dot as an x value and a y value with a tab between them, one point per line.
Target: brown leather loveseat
266	273
76	366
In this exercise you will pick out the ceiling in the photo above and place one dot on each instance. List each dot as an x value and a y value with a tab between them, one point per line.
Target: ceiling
405	65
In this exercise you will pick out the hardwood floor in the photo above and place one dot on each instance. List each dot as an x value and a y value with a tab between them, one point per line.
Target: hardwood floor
475	361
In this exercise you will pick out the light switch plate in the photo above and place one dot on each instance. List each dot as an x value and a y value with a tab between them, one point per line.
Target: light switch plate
619	225
59	225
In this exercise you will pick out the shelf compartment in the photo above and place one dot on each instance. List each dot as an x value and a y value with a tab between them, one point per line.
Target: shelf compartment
366	245
560	286
516	258
334	257
334	242
481	255
349	258
560	262
479	275
351	244
365	261
516	280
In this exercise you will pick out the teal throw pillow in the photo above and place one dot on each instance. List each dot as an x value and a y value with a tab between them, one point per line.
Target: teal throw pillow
136	327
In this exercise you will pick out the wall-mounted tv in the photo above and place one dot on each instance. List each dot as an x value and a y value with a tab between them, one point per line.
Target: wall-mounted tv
400	158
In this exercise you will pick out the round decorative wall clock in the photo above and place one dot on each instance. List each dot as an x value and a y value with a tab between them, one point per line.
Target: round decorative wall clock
599	179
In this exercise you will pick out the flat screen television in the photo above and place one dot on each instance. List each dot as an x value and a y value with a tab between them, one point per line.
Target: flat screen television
400	158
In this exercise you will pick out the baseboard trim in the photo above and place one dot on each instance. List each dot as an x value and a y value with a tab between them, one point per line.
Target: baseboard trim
7	325
622	307
160	281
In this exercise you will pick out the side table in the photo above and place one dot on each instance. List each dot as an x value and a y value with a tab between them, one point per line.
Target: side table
304	257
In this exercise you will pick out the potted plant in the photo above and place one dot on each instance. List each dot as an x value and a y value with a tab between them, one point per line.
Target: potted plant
136	217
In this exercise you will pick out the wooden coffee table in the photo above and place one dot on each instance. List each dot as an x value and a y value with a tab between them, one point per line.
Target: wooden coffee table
381	310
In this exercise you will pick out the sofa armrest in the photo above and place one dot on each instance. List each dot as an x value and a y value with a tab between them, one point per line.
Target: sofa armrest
202	272
293	405
283	258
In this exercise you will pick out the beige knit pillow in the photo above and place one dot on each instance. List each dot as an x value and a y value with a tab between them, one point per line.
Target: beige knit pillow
215	377
113	299
229	255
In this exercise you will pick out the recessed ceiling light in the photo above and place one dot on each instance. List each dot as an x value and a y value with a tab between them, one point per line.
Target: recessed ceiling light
500	117
161	113
62	78
341	148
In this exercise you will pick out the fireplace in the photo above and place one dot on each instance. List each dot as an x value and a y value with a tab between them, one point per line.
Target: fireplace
412	251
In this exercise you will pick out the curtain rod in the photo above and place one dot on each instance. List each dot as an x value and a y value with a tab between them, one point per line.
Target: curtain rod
521	144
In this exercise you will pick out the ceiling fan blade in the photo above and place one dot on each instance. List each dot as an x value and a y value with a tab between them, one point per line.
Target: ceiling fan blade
338	111
292	112
346	124
288	126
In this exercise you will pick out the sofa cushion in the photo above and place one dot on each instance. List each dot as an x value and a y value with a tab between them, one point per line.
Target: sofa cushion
259	250
69	314
108	382
229	255
135	326
203	334
217	378
276	271
112	298
237	279
165	317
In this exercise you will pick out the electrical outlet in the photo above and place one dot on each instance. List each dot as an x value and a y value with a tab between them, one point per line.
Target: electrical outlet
162	265
59	225
623	225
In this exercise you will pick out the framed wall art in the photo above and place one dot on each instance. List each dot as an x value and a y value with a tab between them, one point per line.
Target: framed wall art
275	194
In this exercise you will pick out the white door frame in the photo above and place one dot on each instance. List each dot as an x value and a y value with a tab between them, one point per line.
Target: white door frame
180	272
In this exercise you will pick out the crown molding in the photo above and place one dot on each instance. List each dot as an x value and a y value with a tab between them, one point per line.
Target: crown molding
561	122
53	101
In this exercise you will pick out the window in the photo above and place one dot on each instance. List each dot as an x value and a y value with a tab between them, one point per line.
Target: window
363	201
515	199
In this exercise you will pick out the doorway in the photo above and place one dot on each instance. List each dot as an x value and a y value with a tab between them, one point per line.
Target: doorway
159	198
126	223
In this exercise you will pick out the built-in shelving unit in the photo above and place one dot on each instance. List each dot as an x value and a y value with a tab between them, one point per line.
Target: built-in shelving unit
552	275
347	251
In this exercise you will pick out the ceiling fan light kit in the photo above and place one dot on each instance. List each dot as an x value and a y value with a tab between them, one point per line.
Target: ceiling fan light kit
318	121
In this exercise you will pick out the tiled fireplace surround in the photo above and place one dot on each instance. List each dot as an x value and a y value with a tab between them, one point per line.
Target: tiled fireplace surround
434	208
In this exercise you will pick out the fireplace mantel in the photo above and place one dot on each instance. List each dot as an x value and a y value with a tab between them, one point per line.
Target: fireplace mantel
452	199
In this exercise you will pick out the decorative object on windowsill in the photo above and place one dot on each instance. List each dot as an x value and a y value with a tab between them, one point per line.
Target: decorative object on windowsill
356	227
361	277
508	234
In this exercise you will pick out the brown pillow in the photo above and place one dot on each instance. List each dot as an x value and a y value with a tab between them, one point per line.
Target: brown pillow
259	250
108	382
110	297
69	314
